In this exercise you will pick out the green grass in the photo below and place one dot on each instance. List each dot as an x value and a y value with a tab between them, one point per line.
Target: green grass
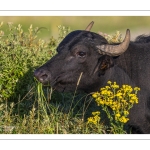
25	106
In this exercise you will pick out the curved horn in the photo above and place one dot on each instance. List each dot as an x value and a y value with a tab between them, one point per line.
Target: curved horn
88	28
115	50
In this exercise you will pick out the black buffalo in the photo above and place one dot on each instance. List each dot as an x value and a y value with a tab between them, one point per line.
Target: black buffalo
86	60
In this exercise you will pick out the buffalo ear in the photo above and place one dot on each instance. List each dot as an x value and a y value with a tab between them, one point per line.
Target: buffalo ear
105	62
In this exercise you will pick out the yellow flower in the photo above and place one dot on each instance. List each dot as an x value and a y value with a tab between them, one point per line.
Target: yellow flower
99	101
127	89
123	119
118	115
90	119
136	89
125	113
95	119
107	103
119	95
115	86
110	101
109	82
104	92
123	101
107	87
95	113
115	101
133	98
102	102
95	95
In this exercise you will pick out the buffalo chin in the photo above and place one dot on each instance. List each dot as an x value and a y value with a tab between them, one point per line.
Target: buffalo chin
64	87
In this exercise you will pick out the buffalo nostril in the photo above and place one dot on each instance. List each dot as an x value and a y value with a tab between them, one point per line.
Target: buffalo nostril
41	75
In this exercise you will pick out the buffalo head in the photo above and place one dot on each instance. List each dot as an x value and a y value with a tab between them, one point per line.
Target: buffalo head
83	59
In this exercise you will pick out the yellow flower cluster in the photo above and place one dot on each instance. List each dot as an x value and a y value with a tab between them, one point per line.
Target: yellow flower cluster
95	119
120	100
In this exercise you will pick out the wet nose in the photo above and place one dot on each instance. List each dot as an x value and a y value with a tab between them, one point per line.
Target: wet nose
42	75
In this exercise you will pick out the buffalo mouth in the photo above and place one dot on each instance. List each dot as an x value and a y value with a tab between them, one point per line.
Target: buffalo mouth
63	86
65	81
62	83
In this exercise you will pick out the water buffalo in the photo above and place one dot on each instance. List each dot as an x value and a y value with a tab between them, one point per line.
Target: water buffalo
87	57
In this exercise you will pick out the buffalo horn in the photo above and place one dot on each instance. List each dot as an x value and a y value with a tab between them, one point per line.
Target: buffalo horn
88	28
115	50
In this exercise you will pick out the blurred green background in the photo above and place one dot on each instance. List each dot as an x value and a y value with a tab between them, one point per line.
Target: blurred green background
107	24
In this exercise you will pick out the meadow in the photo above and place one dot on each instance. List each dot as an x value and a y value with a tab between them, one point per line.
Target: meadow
27	107
108	24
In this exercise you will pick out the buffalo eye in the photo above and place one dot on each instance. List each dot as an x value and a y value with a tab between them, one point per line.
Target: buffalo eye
81	54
